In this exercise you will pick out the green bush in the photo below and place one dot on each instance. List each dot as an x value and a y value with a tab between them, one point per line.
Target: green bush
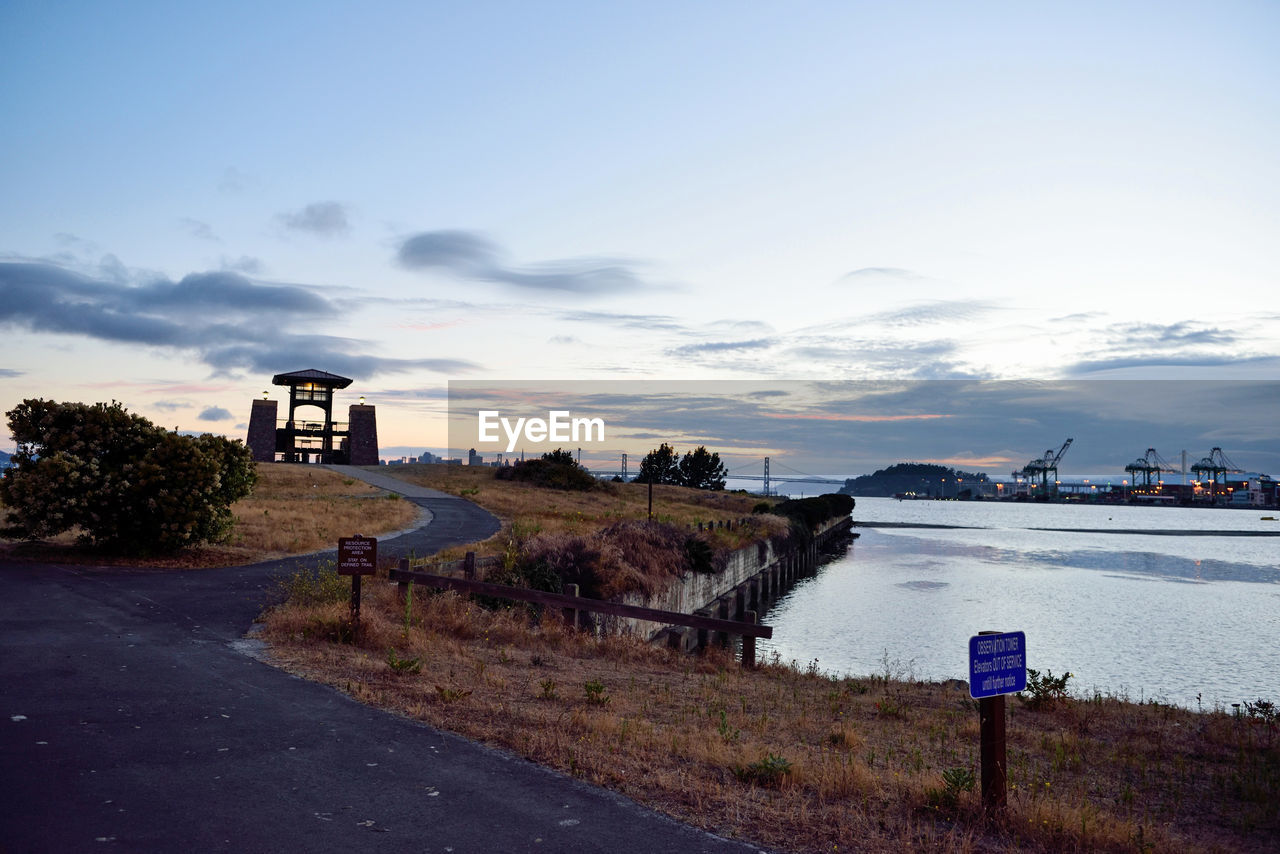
554	470
317	585
124	482
1046	691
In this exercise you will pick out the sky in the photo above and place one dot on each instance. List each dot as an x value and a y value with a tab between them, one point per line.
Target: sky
196	198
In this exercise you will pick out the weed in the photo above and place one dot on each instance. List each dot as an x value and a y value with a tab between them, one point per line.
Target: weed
404	664
595	693
955	781
452	695
770	771
331	629
890	707
318	585
1046	691
548	689
728	733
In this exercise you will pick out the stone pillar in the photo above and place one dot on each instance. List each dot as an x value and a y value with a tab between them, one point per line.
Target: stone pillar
262	431
362	432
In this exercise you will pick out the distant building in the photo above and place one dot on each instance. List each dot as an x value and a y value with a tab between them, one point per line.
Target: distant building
474	459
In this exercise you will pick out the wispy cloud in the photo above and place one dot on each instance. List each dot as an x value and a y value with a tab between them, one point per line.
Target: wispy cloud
203	312
629	321
1186	344
867	273
246	264
721	347
10	373
198	229
323	219
470	255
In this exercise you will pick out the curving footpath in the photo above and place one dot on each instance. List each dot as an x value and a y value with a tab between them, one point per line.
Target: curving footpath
135	718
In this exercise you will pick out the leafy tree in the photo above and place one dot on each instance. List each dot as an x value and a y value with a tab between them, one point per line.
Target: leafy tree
701	469
124	482
660	466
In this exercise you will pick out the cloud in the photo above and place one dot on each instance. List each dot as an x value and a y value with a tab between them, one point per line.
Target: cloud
216	314
10	373
235	181
880	273
1190	360
563	339
198	229
323	219
1186	344
937	311
629	321
215	413
472	256
170	405
246	264
721	347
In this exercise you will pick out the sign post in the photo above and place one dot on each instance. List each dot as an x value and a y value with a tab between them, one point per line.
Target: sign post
997	666
357	556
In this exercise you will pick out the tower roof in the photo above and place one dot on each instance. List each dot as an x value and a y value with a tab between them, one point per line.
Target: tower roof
311	375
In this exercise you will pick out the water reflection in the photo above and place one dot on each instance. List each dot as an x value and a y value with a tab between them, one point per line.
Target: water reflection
1096	605
1157	564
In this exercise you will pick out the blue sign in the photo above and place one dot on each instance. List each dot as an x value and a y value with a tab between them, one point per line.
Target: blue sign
997	664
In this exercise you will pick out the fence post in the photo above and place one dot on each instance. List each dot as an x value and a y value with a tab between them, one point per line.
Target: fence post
469	566
749	642
402	588
570	614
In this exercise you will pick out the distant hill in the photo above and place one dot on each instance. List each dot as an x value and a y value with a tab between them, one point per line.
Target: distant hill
920	478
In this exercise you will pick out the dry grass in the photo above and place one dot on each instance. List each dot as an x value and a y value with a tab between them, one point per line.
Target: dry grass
866	756
526	510
294	509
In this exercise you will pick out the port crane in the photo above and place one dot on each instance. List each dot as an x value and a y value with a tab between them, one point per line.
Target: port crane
1149	464
1043	465
1215	469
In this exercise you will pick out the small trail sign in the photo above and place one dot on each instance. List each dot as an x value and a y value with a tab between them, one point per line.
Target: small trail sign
997	664
357	555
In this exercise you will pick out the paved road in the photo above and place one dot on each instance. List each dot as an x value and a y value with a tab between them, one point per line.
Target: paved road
132	719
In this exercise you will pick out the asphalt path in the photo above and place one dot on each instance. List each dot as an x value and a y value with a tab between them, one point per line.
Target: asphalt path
135	717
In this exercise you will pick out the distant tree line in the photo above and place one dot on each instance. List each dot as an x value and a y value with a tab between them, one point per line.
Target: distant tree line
920	478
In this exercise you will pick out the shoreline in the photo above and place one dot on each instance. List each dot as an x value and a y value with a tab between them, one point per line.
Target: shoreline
1161	532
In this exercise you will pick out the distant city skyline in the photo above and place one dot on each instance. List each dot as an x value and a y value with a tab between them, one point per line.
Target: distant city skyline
418	194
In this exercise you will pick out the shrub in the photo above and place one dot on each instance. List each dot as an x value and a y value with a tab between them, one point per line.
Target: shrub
554	470
121	480
806	514
626	556
770	771
317	585
1046	691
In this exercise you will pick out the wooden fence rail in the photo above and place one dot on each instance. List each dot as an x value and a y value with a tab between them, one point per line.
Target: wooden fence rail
570	605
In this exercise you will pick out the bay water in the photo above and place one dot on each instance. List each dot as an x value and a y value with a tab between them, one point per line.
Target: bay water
1180	605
